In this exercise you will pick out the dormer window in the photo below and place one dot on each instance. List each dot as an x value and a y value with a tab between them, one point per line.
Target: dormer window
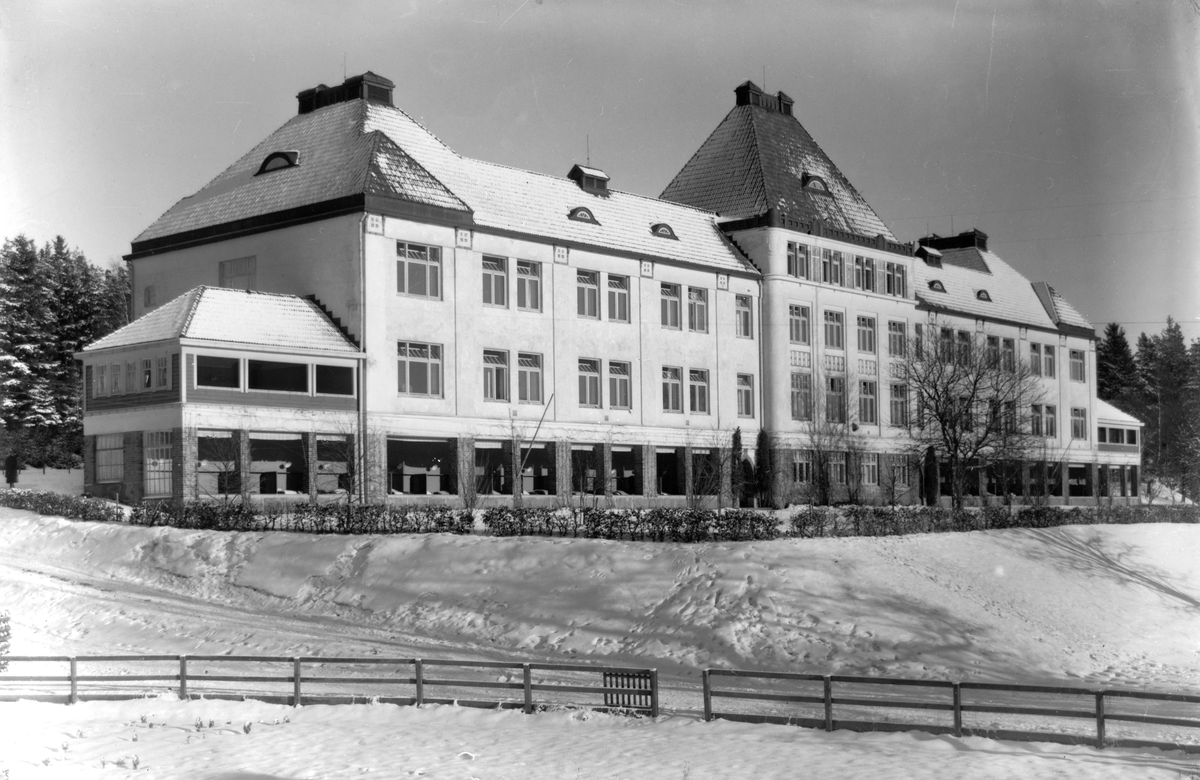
983	295
936	286
278	160
591	180
663	230
581	214
814	184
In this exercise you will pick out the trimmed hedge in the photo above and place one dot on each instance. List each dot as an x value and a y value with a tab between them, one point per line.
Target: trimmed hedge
303	518
61	505
656	525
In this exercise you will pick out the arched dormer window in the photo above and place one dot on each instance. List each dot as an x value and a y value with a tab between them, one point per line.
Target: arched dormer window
814	183
581	214
279	160
663	230
983	295
936	286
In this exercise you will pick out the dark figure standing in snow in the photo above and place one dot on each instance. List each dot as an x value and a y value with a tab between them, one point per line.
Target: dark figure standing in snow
10	470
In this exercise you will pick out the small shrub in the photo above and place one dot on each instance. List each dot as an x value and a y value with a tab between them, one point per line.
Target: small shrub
74	507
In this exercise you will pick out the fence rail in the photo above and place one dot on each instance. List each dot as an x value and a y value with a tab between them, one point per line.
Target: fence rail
1041	702
612	688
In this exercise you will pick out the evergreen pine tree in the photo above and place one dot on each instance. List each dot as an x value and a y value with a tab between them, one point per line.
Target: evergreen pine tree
26	338
1118	379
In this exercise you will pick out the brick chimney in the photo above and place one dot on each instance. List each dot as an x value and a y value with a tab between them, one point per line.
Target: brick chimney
368	86
750	94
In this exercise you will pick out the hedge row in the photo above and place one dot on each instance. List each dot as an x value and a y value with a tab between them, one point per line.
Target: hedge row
656	525
77	507
816	521
304	518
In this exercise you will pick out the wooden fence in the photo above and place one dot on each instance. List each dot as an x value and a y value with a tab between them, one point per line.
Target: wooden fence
863	699
284	681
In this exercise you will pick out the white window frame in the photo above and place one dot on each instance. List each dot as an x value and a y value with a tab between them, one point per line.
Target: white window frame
1078	365
834	329
158	463
495	376
897	338
868	468
619	385
240	273
798	259
432	359
745	395
697	310
587	294
672	389
671	306
868	402
427	257
110	457
529	286
529	378
799	324
1079	424
495	281
801	396
698	391
589	384
744	314
618	298
898	405
866	334
162	372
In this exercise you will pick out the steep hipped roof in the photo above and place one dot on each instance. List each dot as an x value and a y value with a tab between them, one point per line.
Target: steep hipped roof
1106	412
357	148
760	157
238	317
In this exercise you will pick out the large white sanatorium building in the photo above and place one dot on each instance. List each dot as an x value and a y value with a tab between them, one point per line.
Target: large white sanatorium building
352	306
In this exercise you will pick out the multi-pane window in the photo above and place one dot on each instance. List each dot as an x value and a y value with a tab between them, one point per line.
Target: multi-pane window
866	334
589	382
529	378
587	294
419	270
963	352
212	371
745	395
864	273
110	457
529	285
1079	423
495	281
1077	370
993	350
238	274
832	267
1048	361
1008	355
899	470
867	403
1050	422
745	319
899	405
131	377
833	329
918	341
618	298
837	468
698	309
1035	420
672	389
698	390
835	399
801	396
101	381
897	339
161	376
158	463
419	368
798	324
868	468
670	306
495	375
802	466
114	373
619	396
895	280
1035	358
798	260
147	374
1009	418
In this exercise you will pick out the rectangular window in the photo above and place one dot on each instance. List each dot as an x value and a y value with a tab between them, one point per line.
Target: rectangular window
801	396
1102	435
895	280
158	463
587	294
963	353
866	334
589	382
1077	367
1035	420
1048	361
832	267
802	466
529	378
419	270
860	268
419	368
1079	424
1035	359
868	468
897	339
833	329
698	391
101	381
835	399
276	376
672	389
147	374
899	405
161	375
869	274
867	403
797	257
1008	355
798	324
149	298
131	377
745	317
495	375
918	341
1131	437
618	298
697	309
217	372
898	466
1009	420
837	468
114	373
495	281
529	286
1051	422
335	380
993	351
110	457
745	395
619	396
238	274
670	306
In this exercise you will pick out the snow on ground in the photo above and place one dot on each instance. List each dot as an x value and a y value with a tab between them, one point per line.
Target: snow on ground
1106	605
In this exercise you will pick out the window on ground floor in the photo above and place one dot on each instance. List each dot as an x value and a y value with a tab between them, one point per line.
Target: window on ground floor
110	457
278	464
159	463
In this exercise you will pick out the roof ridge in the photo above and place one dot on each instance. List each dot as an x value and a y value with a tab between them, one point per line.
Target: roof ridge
757	163
696	153
197	293
380	138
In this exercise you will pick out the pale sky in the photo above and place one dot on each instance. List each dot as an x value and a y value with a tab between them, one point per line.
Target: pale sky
1068	132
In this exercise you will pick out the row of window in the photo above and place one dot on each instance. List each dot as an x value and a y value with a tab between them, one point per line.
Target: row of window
835	400
134	376
1116	435
157	460
838	463
272	375
831	266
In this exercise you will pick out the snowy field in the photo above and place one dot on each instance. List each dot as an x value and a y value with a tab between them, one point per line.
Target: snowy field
1115	606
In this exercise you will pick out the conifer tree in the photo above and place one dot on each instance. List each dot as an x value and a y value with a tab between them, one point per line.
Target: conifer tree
1118	379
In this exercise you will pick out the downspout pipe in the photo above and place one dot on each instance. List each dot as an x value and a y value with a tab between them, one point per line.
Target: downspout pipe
364	448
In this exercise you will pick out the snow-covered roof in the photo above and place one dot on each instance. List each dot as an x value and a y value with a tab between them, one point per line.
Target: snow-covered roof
244	317
1106	412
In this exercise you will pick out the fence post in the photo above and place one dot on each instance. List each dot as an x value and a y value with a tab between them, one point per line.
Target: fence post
527	677
183	694
957	709
296	682
1100	719
654	693
828	703
706	677
419	674
74	681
